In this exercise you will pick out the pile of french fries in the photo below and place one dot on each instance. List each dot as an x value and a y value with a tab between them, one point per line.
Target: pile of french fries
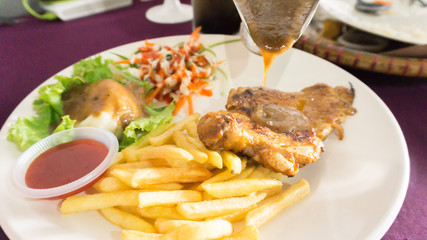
169	186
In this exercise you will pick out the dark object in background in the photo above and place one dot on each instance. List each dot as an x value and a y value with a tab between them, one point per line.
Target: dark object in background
216	16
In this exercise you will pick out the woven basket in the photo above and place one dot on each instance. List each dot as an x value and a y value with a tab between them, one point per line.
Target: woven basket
413	67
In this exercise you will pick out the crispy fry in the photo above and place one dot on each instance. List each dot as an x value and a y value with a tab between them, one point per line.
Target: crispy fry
149	176
274	206
191	128
146	163
207	196
96	201
165	152
245	173
217	207
247	233
197	230
126	220
110	184
272	191
260	171
118	159
237	215
166	136
131	153
182	142
168	212
138	235
232	161
213	157
148	199
222	176
239	187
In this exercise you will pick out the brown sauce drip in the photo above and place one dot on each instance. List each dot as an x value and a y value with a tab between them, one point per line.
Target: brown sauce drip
274	25
281	119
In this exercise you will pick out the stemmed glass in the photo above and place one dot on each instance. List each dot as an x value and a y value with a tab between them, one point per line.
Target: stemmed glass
171	11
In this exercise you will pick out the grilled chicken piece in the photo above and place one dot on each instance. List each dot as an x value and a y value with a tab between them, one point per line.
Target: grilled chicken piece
324	106
284	153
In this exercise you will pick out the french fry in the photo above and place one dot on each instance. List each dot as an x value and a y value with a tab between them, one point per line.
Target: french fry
149	176
216	207
272	191
126	220
182	142
123	174
153	162
131	154
239	187
275	205
166	136
232	162
260	171
96	201
197	230
168	212
163	186
191	128
165	152
138	235
130	209
148	199
110	184
207	196
222	176
279	176
247	233
213	157
237	215
245	173
118	159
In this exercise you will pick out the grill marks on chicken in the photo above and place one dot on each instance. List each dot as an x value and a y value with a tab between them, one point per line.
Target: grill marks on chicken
238	130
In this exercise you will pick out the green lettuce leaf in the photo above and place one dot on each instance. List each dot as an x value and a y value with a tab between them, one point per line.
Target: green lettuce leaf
66	123
140	127
48	106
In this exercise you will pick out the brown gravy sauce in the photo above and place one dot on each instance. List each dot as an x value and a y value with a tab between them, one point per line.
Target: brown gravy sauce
274	25
125	102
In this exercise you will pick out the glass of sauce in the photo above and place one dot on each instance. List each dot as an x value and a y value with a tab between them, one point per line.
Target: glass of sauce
64	163
273	25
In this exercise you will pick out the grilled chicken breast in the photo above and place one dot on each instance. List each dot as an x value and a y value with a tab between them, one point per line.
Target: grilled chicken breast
326	107
282	131
283	153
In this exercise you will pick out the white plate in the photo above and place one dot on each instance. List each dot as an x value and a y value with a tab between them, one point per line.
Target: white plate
358	185
402	22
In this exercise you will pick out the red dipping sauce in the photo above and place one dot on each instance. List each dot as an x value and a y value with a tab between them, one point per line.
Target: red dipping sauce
65	163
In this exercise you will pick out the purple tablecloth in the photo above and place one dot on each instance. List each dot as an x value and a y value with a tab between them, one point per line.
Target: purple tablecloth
34	50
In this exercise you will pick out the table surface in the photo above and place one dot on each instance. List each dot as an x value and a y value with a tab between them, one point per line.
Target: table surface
33	50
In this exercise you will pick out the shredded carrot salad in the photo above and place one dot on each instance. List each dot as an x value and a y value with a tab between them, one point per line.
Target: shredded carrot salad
175	73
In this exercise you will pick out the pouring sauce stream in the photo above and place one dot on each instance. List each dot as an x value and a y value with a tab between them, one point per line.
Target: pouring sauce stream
274	25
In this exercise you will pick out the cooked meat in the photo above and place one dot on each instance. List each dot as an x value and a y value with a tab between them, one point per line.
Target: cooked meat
284	153
280	130
106	104
324	106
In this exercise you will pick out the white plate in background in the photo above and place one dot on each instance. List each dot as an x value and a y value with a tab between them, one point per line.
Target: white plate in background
402	22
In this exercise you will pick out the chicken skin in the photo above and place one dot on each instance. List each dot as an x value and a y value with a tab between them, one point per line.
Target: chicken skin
284	153
326	107
282	131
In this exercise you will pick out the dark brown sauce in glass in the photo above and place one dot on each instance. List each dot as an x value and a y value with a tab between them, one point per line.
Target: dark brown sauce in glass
274	25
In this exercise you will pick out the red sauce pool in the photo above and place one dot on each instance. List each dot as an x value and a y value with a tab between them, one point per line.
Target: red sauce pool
65	163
